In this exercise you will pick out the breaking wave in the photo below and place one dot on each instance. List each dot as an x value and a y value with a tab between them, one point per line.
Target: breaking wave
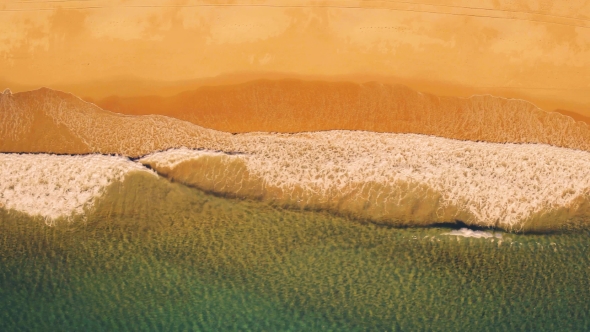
394	179
55	187
398	179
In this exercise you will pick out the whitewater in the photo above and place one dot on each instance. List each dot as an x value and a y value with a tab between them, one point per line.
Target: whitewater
54	187
395	179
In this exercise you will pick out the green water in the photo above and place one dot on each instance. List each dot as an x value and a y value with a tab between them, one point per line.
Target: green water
156	255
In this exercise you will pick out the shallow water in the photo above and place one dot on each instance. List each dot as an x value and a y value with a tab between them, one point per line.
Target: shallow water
156	255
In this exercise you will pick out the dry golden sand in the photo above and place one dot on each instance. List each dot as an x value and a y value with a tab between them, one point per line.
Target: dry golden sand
537	50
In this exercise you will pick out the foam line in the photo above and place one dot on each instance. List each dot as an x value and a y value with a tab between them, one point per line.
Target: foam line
466	232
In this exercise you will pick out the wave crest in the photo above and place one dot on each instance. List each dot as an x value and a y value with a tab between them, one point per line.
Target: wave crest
56	187
400	179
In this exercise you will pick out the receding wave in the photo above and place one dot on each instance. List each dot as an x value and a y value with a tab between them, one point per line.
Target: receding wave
399	179
55	187
55	122
305	106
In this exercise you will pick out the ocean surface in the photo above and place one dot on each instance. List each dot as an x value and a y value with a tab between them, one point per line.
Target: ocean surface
114	222
264	241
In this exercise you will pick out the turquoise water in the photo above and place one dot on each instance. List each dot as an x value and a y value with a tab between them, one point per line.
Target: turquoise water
156	255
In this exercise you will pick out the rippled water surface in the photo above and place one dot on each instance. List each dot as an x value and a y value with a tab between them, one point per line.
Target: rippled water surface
155	255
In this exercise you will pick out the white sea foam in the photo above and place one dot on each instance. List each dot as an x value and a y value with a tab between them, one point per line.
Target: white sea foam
466	232
175	157
400	178
54	186
486	184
